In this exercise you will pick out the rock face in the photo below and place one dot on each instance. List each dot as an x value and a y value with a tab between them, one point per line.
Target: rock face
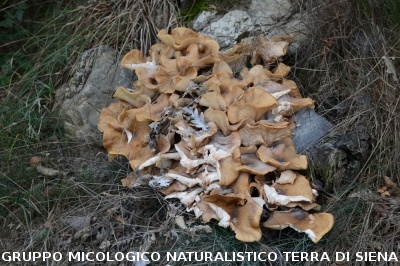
80	101
338	159
310	128
227	29
203	19
269	12
335	159
270	17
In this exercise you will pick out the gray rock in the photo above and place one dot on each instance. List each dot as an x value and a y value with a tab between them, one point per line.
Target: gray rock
227	29
91	88
339	159
310	128
203	19
335	159
270	17
356	143
295	26
328	164
269	12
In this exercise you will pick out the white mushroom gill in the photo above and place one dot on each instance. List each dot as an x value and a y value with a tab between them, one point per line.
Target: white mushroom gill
150	66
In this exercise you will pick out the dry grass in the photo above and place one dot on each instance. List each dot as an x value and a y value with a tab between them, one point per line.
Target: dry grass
350	66
344	70
33	206
125	24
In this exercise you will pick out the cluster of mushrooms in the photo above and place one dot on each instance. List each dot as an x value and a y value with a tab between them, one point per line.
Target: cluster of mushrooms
220	144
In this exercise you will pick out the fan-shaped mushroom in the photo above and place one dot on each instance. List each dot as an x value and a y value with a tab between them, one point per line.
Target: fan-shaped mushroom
282	155
217	143
314	225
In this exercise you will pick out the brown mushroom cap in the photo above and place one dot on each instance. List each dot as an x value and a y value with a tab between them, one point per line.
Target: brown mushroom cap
136	99
134	57
279	72
300	187
282	155
241	51
289	105
229	170
214	100
114	125
151	111
263	133
179	39
244	214
253	104
221	120
158	50
241	185
222	81
200	55
251	164
314	225
269	52
257	75
246	220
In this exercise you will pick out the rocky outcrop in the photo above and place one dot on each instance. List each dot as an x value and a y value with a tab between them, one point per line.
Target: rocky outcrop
310	128
267	13
270	17
227	29
80	101
338	158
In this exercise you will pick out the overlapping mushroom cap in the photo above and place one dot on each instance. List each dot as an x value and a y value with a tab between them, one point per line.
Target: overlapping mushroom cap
219	144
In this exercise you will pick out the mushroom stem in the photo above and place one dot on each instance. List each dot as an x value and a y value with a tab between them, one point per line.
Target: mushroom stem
190	182
187	198
274	198
279	94
188	163
225	218
157	158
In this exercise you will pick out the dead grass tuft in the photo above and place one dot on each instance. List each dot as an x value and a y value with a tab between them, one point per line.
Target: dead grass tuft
350	67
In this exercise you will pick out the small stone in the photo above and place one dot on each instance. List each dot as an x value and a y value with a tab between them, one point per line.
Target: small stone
269	12
310	128
35	161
